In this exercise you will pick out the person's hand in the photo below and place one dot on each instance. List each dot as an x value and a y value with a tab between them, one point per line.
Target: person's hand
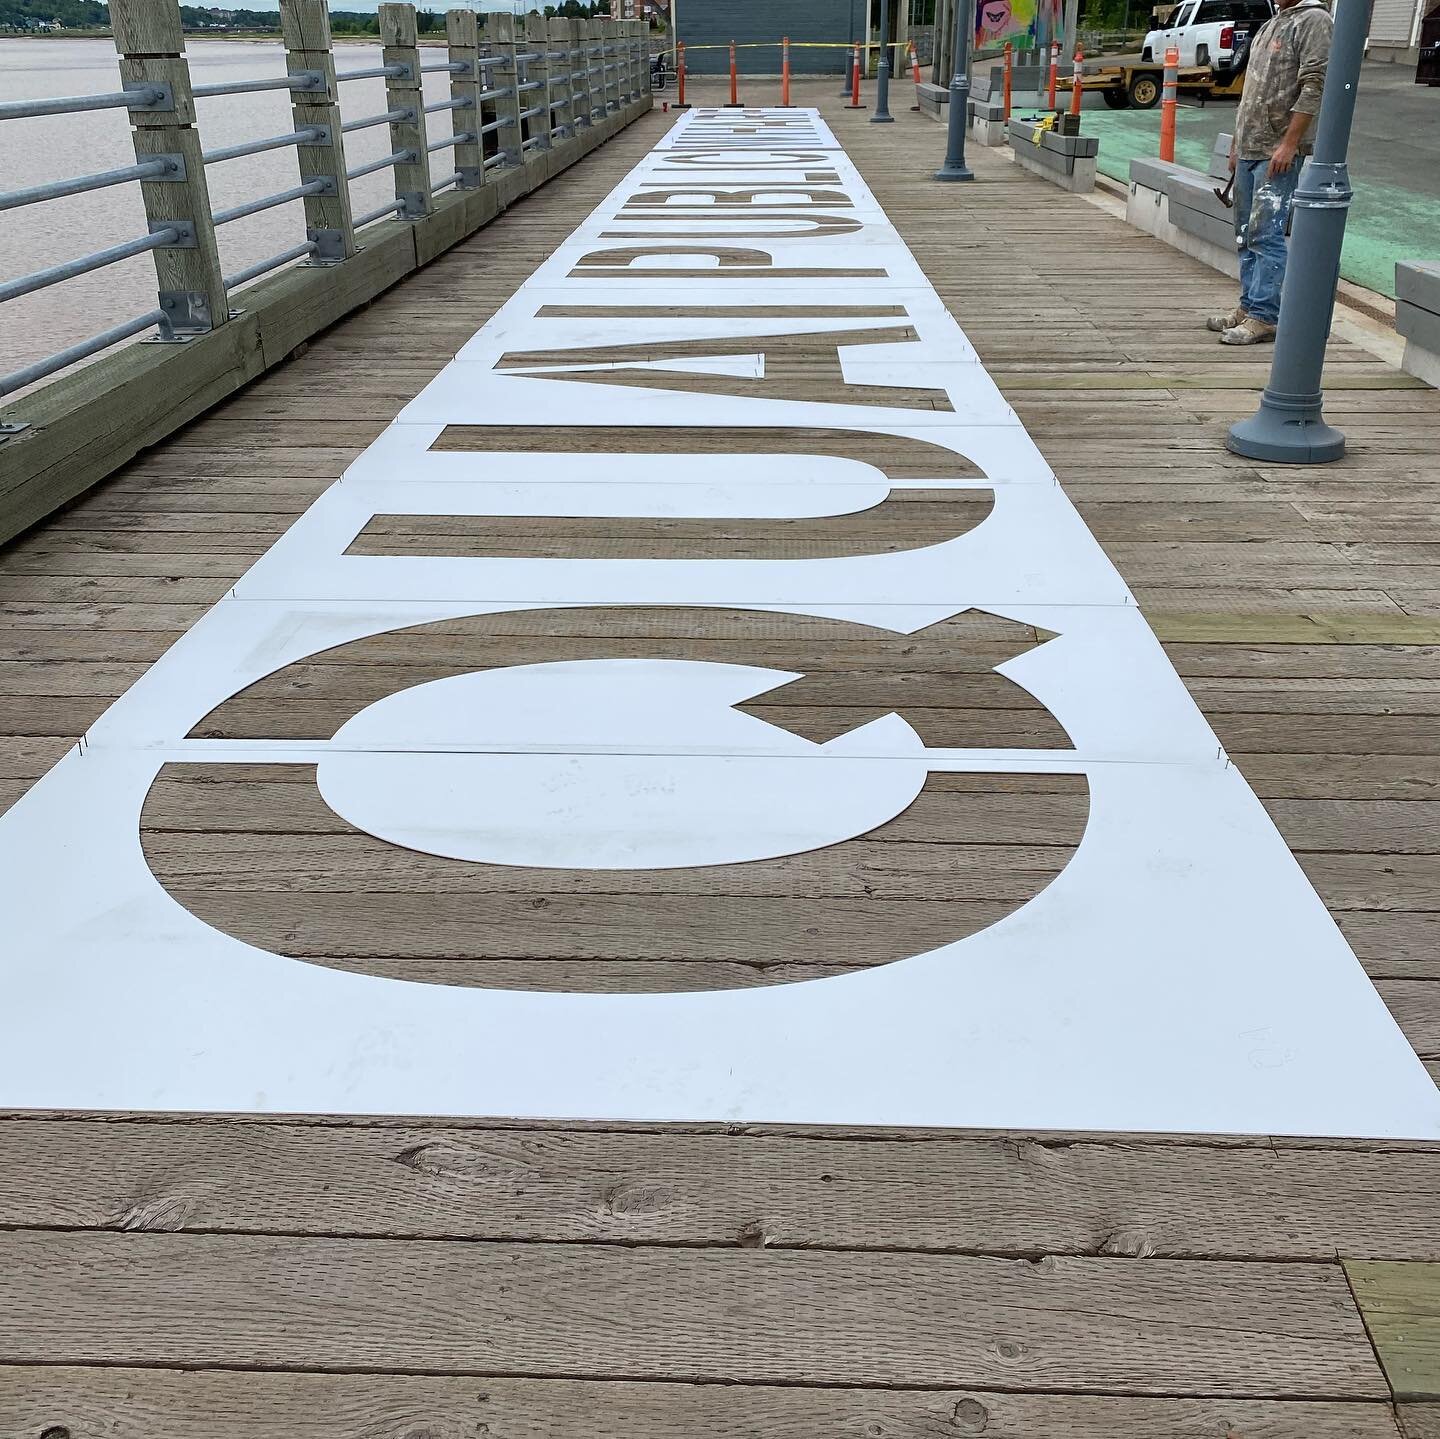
1232	159
1282	159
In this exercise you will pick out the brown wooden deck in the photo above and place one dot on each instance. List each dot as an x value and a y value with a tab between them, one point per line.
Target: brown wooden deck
323	1278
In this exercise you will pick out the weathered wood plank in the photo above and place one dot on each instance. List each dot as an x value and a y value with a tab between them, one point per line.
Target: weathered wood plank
1017	1197
166	1404
742	1316
1420	1421
1400	1304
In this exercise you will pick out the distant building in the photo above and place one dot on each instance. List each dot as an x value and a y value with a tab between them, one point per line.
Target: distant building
820	34
1395	29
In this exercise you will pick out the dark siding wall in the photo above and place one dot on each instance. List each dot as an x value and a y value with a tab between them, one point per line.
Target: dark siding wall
717	22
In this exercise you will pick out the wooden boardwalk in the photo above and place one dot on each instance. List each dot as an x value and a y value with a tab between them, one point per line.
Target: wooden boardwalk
165	1276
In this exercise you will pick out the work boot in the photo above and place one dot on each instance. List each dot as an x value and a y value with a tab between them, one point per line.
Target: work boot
1249	331
1222	323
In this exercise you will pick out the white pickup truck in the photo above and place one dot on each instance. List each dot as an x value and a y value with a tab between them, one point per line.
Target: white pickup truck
1208	32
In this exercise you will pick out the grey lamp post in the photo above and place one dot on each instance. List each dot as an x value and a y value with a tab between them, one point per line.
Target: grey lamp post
882	115
958	120
1290	424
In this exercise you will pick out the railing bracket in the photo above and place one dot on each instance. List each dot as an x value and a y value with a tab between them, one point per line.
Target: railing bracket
151	96
176	172
329	246
186	314
185	238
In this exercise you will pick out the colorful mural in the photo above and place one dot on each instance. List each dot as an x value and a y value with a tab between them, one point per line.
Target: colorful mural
997	21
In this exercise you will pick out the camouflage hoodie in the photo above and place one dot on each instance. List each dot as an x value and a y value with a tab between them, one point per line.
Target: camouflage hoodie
1285	74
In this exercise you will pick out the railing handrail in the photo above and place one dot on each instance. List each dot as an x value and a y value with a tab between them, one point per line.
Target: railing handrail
84	264
141	97
159	98
296	80
258	147
154	169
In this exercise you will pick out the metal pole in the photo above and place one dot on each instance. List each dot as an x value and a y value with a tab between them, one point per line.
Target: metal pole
958	120
1290	424
1070	35
882	115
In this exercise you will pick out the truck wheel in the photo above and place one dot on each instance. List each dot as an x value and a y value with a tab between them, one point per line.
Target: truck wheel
1144	90
1116	99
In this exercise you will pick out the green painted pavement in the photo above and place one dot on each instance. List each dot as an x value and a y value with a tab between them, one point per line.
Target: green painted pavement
1388	222
1394	164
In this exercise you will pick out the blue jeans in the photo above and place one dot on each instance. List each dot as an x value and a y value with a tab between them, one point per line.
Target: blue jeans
1262	208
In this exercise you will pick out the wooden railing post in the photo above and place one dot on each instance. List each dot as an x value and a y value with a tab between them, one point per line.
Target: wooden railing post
560	36
624	52
622	59
305	25
399	39
591	49
627	63
151	47
463	34
610	33
504	77
579	76
537	42
641	59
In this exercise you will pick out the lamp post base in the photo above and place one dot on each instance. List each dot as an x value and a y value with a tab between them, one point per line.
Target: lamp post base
1287	433
955	172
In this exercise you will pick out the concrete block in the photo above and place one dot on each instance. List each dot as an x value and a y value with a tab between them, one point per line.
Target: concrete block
934	99
1023	132
991	133
1417	282
1149	210
1195	208
1154	173
1220	157
1071	172
1421	362
1419	325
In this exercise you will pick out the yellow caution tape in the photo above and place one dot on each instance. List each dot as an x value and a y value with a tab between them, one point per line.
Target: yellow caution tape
799	45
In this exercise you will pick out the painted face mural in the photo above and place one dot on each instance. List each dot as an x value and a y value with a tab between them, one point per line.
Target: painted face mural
702	703
994	22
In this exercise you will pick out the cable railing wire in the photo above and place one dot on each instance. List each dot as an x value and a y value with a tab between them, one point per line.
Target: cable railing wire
140	98
181	234
269	202
154	169
81	350
112	255
307	136
262	267
296	80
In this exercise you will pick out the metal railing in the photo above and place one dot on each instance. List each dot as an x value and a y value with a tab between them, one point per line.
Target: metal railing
489	73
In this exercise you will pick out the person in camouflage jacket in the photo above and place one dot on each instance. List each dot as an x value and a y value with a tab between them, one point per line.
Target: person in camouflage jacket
1284	80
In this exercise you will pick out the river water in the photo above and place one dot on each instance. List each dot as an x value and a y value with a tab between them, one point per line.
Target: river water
56	146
